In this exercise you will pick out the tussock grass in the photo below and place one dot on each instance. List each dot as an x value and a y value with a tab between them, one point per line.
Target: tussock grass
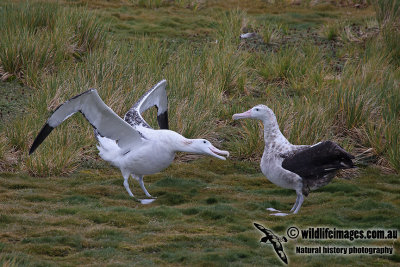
300	69
40	36
8	159
270	32
192	4
311	100
249	142
12	261
387	11
230	27
122	73
331	31
309	124
391	37
344	89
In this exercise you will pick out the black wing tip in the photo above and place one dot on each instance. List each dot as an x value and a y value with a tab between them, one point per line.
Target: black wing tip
339	148
46	130
163	120
260	227
257	225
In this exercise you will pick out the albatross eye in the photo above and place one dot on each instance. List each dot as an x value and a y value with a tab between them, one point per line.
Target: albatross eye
204	142
257	109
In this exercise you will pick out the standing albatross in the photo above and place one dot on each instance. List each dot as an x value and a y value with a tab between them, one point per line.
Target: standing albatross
130	144
299	167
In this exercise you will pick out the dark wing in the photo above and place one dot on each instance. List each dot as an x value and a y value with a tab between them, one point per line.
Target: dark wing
156	96
294	150
279	250
100	116
261	228
318	160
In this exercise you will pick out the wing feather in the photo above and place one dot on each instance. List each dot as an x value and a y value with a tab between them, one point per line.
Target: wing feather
100	116
260	227
279	250
156	96
318	160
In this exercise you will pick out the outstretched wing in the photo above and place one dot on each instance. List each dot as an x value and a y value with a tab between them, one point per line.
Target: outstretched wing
318	160
156	96
261	228
100	116
279	250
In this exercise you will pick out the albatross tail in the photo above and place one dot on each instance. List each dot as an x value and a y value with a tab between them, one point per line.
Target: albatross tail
108	148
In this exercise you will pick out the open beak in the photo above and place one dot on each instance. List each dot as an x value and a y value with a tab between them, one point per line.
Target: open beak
215	151
243	115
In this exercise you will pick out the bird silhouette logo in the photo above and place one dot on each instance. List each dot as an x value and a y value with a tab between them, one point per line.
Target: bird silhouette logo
274	240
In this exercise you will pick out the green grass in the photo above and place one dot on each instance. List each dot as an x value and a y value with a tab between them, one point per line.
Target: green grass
387	11
42	36
74	224
328	72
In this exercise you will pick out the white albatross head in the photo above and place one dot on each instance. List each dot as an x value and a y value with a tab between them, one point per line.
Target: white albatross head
203	146
260	112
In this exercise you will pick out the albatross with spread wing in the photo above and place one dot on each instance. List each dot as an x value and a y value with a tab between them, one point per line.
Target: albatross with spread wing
130	144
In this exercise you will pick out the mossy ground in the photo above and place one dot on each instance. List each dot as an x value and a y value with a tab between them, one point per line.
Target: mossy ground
205	208
203	215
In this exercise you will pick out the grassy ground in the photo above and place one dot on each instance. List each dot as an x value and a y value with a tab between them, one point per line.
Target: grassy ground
327	70
203	216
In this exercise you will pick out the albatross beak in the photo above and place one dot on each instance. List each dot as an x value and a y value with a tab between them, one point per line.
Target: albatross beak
243	115
215	151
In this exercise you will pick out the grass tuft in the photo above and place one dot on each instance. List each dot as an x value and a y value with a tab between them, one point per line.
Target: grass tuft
40	36
330	31
387	11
